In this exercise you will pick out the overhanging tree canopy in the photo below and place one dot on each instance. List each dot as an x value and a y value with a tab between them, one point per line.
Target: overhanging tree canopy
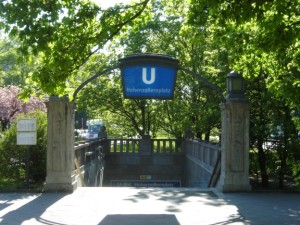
64	33
262	33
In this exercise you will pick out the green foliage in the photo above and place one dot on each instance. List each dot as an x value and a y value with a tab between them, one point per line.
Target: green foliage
13	156
259	40
194	106
126	117
260	36
65	34
293	161
12	67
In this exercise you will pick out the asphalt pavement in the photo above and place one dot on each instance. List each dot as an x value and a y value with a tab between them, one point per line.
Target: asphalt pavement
150	206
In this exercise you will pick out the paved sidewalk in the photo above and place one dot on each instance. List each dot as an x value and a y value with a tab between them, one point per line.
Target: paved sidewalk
151	206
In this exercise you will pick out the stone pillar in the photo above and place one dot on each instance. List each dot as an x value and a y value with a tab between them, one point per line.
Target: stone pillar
235	143
235	137
145	148
60	145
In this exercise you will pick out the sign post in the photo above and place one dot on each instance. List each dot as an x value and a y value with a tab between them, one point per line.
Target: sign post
148	76
26	135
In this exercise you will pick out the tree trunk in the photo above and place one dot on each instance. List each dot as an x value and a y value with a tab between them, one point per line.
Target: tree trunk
282	169
199	135
281	174
207	135
262	164
4	124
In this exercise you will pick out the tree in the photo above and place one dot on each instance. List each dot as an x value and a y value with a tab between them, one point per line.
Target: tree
260	38
11	106
65	34
13	68
168	33
194	106
271	27
130	117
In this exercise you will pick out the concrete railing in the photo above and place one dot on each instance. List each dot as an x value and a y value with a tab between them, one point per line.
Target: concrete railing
133	146
144	162
199	158
123	146
201	161
203	153
89	162
86	150
167	146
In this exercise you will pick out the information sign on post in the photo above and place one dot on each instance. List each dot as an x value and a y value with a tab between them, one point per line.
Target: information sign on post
150	76
26	135
26	132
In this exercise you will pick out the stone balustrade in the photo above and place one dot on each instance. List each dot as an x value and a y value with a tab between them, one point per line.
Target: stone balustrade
191	161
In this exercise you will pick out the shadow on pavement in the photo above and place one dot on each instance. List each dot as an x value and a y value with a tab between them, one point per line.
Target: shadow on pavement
17	208
177	196
267	208
135	219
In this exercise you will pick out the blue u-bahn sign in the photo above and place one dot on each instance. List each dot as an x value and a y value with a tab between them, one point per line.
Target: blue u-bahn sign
150	76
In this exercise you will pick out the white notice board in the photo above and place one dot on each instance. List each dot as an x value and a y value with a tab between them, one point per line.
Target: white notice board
26	132
26	138
26	125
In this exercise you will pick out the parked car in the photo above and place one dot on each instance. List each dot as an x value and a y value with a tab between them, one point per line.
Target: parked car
94	126
81	133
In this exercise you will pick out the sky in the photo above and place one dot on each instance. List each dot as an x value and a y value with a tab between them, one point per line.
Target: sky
109	3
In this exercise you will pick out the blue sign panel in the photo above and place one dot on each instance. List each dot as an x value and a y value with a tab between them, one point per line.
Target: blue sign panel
147	81
146	183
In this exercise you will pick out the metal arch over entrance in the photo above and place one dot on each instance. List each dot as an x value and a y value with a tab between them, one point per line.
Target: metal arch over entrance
93	78
149	76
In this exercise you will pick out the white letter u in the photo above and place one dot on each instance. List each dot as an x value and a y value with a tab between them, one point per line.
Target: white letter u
152	79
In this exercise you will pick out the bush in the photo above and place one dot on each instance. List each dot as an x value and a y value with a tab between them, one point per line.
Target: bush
13	156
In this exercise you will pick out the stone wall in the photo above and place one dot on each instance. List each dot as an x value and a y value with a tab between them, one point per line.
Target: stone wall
136	167
201	158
